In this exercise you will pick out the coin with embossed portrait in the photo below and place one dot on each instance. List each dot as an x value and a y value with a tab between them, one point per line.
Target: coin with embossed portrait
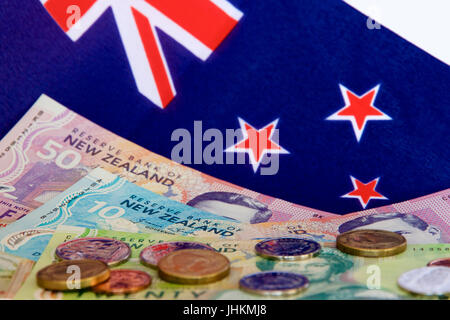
287	249
110	251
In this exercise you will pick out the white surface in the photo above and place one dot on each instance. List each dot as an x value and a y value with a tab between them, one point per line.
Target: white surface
425	23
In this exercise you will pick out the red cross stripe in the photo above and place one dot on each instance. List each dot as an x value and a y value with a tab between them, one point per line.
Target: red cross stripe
199	25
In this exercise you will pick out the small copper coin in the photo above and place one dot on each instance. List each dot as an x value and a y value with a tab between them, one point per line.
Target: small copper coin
72	275
444	262
371	243
110	251
124	281
193	266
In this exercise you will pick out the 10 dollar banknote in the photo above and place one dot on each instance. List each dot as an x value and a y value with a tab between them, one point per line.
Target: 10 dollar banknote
103	200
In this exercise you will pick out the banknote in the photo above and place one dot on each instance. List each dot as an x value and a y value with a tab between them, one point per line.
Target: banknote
51	148
421	220
13	272
235	252
332	274
104	200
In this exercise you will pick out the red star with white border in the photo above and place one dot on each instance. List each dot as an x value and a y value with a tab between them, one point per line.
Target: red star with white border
359	109
364	192
257	143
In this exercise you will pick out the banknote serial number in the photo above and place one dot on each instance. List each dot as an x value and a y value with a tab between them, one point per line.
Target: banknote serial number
446	249
255	310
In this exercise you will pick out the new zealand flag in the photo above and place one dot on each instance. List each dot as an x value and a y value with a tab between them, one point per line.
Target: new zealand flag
342	106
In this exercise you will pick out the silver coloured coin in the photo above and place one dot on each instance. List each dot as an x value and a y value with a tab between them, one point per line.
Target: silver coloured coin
427	281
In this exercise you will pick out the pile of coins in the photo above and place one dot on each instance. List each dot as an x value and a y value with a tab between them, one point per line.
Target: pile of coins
91	259
86	263
176	262
197	263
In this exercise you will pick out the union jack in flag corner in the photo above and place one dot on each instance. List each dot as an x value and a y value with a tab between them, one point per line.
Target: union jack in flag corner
358	98
198	25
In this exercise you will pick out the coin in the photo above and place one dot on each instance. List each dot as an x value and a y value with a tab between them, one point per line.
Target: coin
371	243
72	275
444	262
193	266
110	251
274	283
426	281
287	249
151	255
122	281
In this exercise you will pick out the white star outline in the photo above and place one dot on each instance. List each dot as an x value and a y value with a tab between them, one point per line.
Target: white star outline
358	132
364	205
255	164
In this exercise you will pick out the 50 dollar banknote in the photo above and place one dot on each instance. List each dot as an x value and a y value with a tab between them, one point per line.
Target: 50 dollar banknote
52	147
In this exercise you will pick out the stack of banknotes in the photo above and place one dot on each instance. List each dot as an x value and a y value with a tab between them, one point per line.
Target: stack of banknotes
63	178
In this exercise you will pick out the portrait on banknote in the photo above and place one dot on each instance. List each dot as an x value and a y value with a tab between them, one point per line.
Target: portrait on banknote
408	225
330	276
232	205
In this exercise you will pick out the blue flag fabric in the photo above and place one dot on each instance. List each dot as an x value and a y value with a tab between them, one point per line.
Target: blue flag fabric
363	115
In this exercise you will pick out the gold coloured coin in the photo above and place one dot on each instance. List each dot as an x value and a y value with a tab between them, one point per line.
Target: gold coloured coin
193	266
371	243
72	275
